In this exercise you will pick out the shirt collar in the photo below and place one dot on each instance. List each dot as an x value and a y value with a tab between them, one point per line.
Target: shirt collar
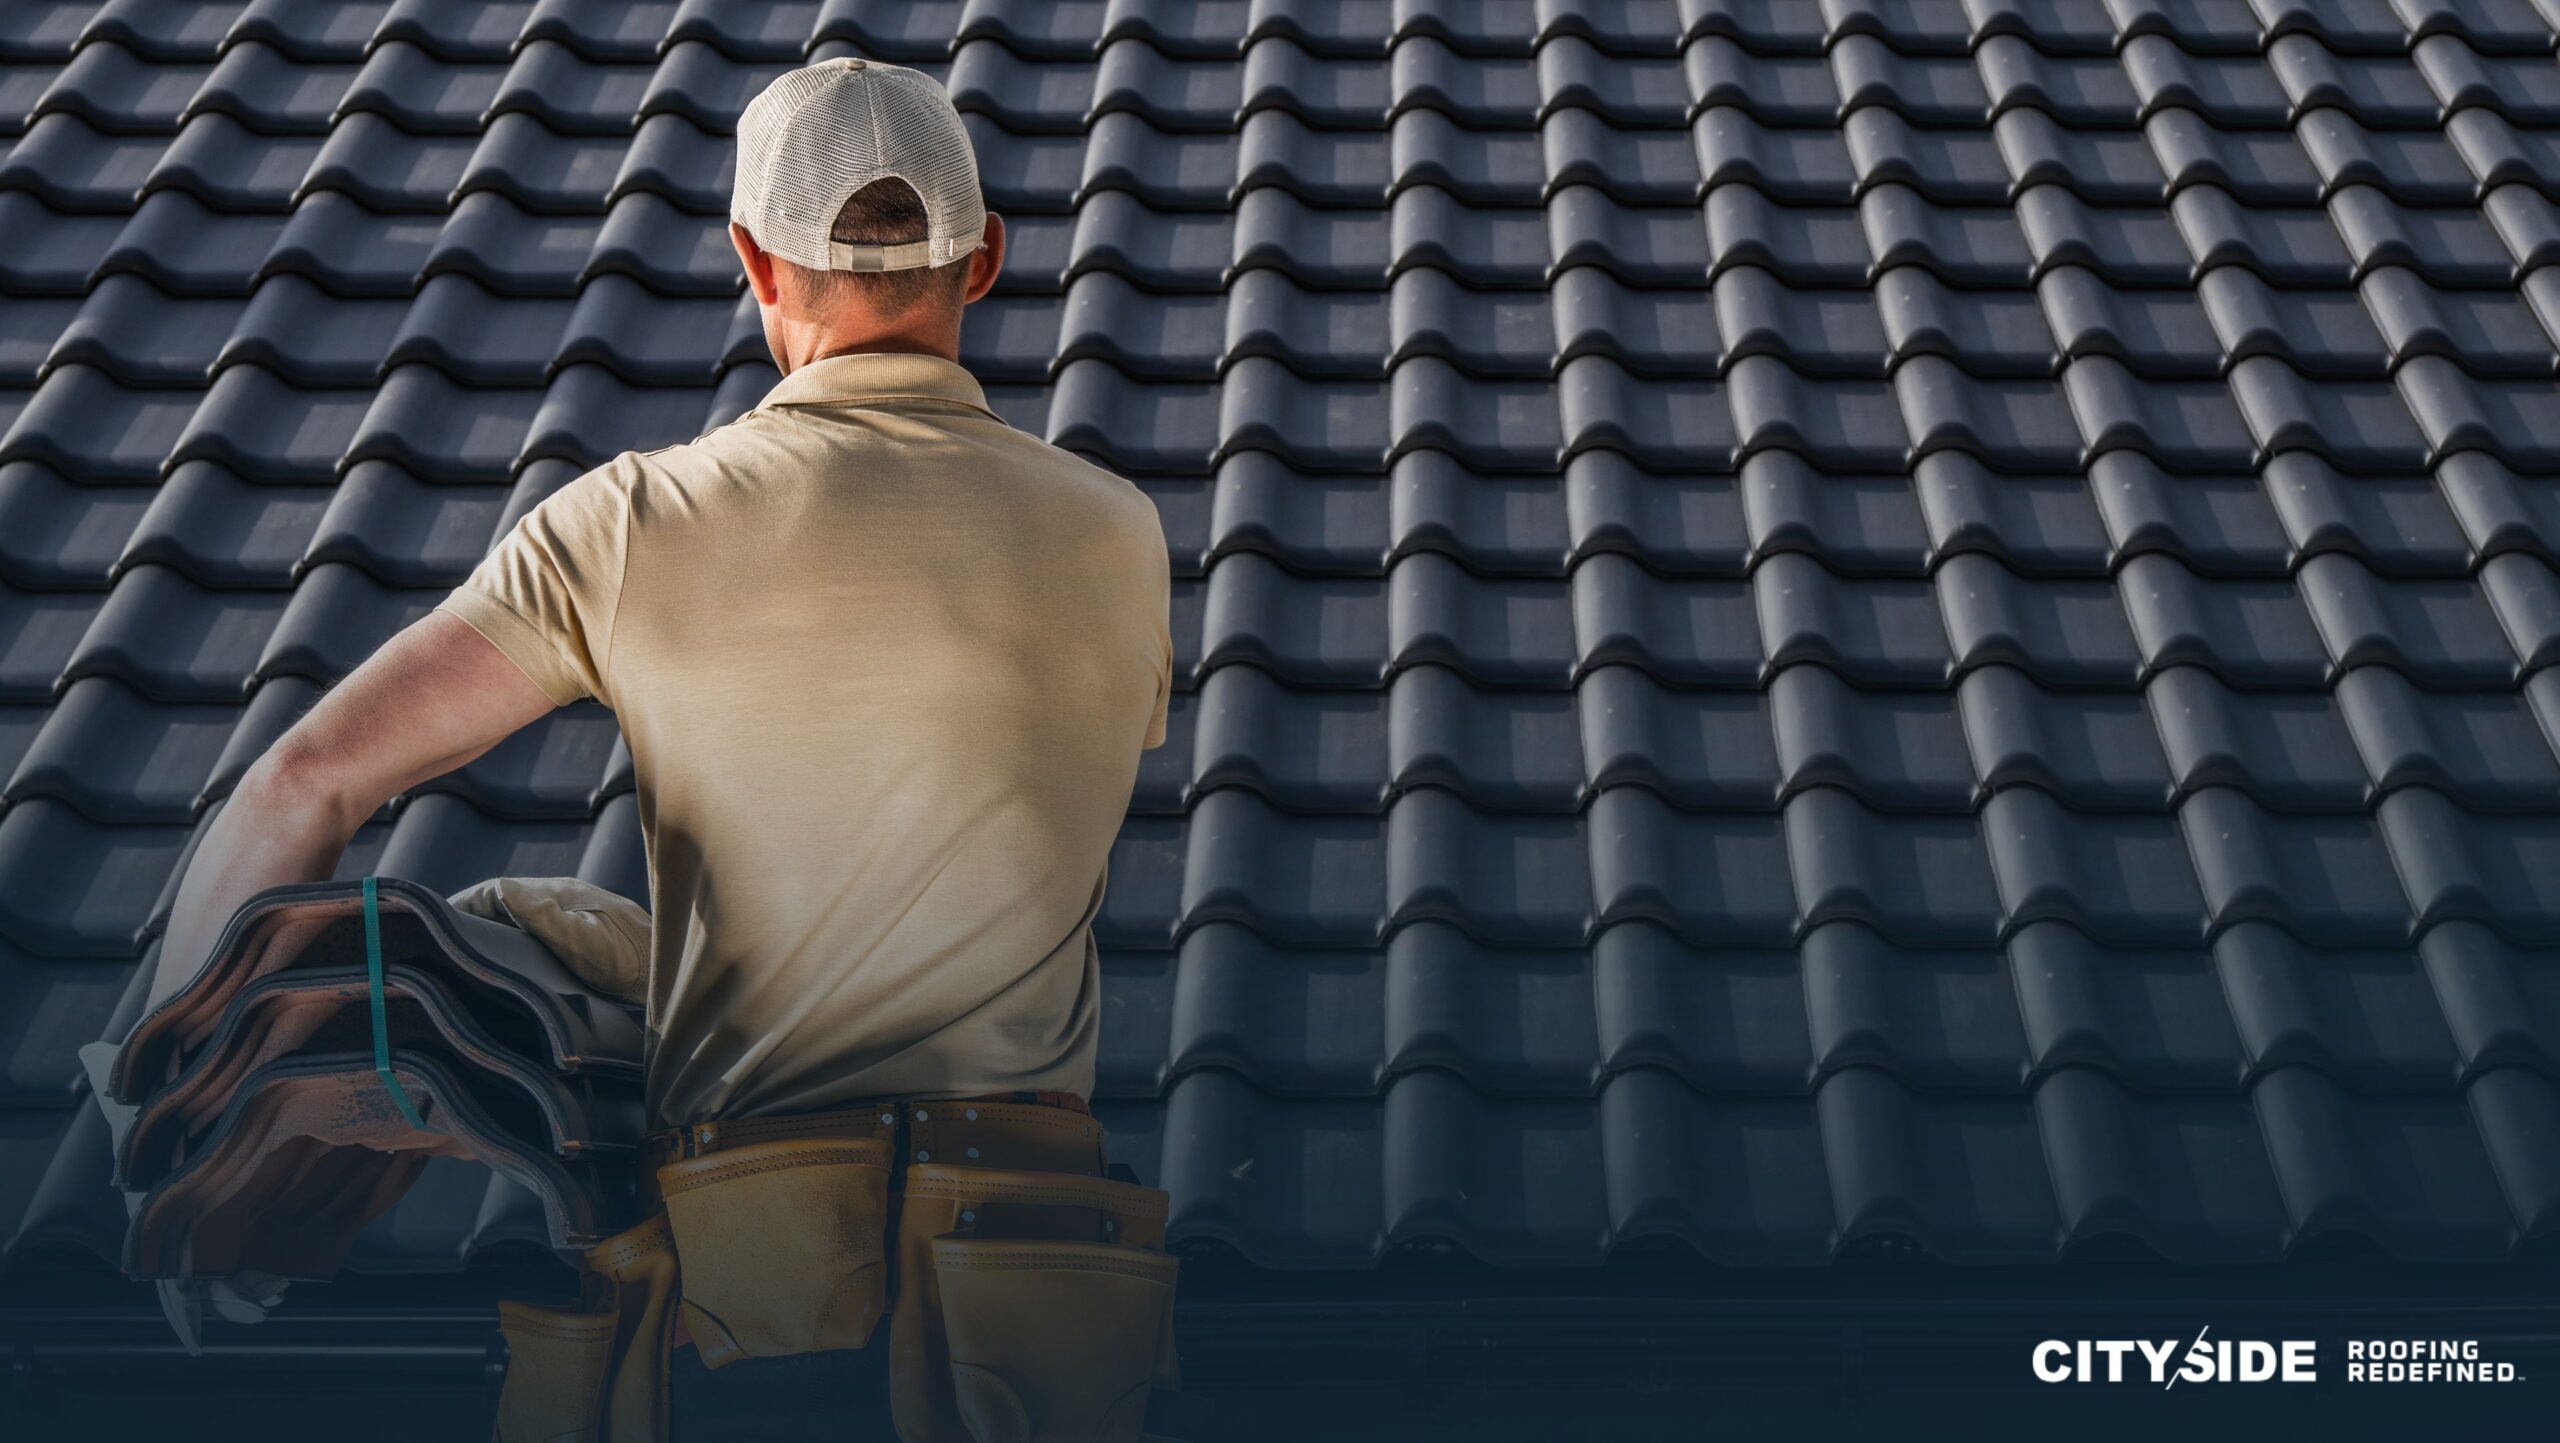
877	375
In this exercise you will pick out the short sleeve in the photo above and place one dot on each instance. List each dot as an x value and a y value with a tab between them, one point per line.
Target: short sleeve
546	594
1164	697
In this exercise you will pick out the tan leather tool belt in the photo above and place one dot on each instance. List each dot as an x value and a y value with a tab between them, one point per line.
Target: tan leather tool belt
1029	1296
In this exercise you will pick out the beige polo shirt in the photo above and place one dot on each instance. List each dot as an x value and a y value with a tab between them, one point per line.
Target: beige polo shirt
885	665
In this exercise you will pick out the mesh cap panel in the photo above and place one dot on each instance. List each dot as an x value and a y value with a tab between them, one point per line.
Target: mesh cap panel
818	134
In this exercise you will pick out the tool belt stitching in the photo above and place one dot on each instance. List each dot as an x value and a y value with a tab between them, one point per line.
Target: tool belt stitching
1013	1262
659	1241
727	1171
562	1327
966	1190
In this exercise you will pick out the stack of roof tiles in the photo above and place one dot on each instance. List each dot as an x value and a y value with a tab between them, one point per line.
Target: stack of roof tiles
1803	627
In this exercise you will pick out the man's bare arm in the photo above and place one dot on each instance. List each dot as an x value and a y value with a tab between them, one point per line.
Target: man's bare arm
434	697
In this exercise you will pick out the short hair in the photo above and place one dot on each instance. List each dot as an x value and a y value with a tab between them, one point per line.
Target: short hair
889	212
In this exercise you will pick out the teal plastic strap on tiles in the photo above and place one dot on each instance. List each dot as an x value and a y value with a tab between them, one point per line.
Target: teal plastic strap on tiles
381	1024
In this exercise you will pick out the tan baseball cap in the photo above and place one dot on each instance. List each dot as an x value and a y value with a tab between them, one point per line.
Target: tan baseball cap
818	134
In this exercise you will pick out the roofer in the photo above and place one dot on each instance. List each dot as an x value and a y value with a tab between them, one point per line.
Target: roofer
885	666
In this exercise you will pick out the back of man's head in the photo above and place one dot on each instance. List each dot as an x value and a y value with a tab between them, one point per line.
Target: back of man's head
857	213
887	212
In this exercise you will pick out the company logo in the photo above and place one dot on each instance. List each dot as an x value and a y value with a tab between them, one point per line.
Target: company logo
2168	1362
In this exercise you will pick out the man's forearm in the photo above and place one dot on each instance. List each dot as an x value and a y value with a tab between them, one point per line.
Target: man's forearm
270	833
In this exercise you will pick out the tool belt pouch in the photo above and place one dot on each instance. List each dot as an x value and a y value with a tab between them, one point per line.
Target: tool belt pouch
558	1367
1031	1306
781	1245
597	1374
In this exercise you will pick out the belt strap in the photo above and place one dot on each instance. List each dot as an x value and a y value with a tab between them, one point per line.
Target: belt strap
381	1023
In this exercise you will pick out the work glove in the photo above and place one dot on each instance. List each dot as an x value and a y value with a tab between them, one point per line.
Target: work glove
601	937
241	1298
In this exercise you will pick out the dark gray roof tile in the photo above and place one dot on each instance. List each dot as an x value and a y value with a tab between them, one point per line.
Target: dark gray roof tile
1486	333
440	430
1876	632
311	338
2124	879
1478	93
2380	91
2489	868
379	165
1970	246
2106	168
2250	632
670	157
2094	751
2512	420
1806	245
1942	90
1321	90
2315	333
2218	523
2233	92
2154	1019
2286	750
57	534
331	237
405	531
2448	247
2016	74
1577	75
1794	166
173	641
119	92
2326	880
2358	426
2011	425
2292	246
308	29
2397	525
2414	167
2499	153
117	758
1901	751
1679	524
601	29
1321	167
219	529
70	166
2185	426
1816	332
2484	749
2485	333
2497	27
2125	246
1946	167
1715	878
569	93
2056	27
2497	998
53	254
2035	524
456	32
1845	425
1853	524
2259	167
2440	633
1773	89
1636	167
2059	632
2524	91
2155	333
2526	595
1920	880
422	95
83	424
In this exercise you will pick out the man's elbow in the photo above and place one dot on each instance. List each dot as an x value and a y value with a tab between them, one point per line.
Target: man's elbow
301	786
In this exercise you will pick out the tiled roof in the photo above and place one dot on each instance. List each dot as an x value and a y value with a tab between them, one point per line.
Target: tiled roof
1804	628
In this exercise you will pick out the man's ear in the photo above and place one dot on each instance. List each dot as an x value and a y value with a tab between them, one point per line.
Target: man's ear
757	265
985	263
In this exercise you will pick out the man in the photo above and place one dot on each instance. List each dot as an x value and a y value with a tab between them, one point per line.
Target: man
884	664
